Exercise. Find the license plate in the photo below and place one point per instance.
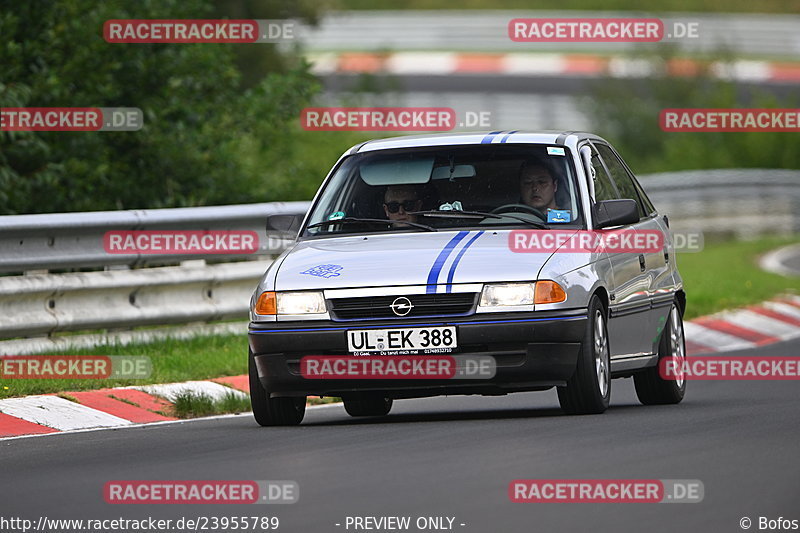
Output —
(402, 340)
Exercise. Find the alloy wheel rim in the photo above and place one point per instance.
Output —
(601, 353)
(676, 341)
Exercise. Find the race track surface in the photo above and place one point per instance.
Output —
(450, 457)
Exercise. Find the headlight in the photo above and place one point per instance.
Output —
(513, 294)
(507, 294)
(290, 303)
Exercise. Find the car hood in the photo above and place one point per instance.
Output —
(438, 258)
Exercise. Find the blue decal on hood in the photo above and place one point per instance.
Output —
(457, 259)
(324, 271)
(433, 275)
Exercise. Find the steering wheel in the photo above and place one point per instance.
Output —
(516, 207)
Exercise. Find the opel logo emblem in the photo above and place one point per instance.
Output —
(401, 306)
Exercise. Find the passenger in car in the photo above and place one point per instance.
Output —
(399, 200)
(537, 185)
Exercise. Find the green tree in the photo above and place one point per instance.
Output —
(199, 114)
(627, 113)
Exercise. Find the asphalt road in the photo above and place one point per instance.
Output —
(448, 457)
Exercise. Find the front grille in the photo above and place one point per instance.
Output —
(446, 304)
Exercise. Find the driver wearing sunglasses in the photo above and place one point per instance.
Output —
(399, 200)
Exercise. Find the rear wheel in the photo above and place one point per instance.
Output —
(273, 411)
(367, 405)
(651, 388)
(588, 391)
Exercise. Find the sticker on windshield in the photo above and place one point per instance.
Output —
(324, 271)
(552, 150)
(336, 216)
(455, 206)
(558, 215)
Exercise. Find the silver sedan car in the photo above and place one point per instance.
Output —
(537, 252)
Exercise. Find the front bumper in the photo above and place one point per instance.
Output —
(532, 351)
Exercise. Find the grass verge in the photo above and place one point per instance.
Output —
(725, 275)
(172, 361)
(191, 405)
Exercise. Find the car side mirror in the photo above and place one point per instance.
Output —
(284, 224)
(615, 213)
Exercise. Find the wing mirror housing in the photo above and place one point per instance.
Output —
(284, 224)
(615, 213)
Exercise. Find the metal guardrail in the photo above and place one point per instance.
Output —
(75, 240)
(739, 202)
(487, 31)
(45, 304)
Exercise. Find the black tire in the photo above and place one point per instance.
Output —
(367, 405)
(588, 391)
(273, 411)
(651, 388)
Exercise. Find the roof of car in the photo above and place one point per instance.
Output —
(461, 138)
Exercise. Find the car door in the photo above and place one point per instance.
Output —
(629, 310)
(654, 272)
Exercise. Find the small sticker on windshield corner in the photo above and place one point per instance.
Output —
(324, 271)
(455, 206)
(558, 215)
(553, 150)
(336, 216)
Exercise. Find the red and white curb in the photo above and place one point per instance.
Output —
(767, 323)
(531, 64)
(106, 408)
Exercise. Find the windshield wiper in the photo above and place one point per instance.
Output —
(475, 214)
(370, 221)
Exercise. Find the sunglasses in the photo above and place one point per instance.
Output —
(408, 205)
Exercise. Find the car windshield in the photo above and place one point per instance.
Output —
(431, 189)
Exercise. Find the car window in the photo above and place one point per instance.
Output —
(533, 185)
(603, 188)
(622, 179)
(649, 208)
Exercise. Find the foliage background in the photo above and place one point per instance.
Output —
(221, 121)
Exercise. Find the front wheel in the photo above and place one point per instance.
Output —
(588, 391)
(273, 411)
(651, 388)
